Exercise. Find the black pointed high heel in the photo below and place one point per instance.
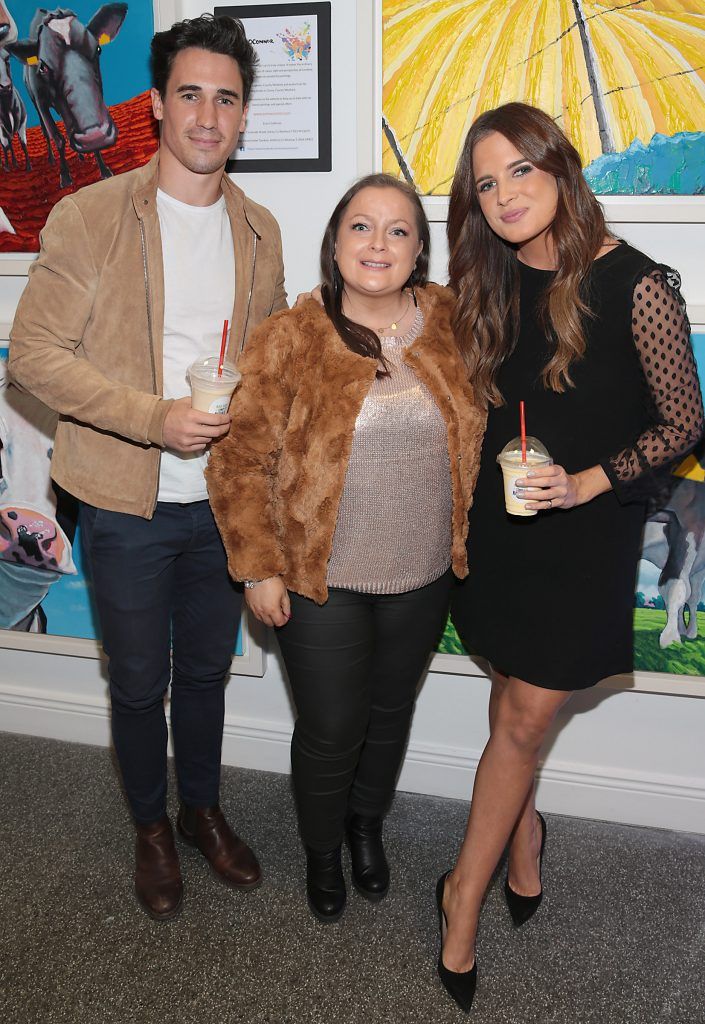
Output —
(460, 985)
(523, 907)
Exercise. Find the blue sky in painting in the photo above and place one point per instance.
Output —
(124, 63)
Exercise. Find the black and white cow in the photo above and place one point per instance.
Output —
(674, 541)
(13, 115)
(62, 72)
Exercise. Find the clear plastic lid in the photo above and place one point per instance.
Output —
(207, 370)
(512, 451)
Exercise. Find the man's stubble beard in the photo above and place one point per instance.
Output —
(199, 162)
(205, 165)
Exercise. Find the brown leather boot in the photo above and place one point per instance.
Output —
(157, 874)
(229, 857)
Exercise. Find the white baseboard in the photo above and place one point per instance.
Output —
(579, 790)
(40, 712)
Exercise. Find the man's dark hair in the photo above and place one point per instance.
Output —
(216, 34)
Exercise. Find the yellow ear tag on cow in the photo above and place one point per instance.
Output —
(105, 39)
(33, 60)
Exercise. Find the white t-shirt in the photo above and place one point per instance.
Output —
(199, 291)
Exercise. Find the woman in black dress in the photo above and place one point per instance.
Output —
(593, 336)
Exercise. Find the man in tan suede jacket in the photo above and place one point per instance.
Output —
(134, 280)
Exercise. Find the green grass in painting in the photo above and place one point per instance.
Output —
(687, 658)
(450, 641)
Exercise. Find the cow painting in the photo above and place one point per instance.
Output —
(8, 34)
(62, 72)
(35, 552)
(13, 115)
(8, 29)
(674, 541)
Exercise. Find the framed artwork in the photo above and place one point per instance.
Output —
(625, 81)
(45, 594)
(107, 109)
(669, 599)
(289, 113)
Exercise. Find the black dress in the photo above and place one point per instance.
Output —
(550, 598)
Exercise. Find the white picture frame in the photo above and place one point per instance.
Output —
(166, 12)
(15, 266)
(639, 682)
(618, 209)
(252, 661)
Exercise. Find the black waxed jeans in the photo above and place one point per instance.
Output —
(159, 584)
(354, 665)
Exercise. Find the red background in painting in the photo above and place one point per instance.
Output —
(27, 197)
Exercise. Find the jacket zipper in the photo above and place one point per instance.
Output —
(249, 297)
(150, 333)
(149, 307)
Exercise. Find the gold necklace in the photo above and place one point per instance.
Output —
(394, 326)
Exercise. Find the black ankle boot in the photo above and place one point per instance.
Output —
(370, 870)
(325, 885)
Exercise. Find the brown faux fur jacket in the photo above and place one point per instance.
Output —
(275, 481)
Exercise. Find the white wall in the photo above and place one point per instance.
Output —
(302, 203)
(623, 756)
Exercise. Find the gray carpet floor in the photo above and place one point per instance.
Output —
(619, 939)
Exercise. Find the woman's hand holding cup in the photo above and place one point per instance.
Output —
(560, 489)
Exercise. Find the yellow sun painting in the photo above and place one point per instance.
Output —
(625, 80)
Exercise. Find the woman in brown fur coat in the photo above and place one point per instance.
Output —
(342, 493)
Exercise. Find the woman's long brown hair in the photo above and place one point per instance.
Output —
(483, 267)
(361, 339)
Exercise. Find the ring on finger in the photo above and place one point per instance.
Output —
(550, 502)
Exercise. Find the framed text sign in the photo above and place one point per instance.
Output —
(289, 112)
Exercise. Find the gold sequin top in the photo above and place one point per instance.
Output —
(393, 532)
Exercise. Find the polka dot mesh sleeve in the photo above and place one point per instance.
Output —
(661, 333)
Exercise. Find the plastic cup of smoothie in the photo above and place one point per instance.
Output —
(211, 392)
(513, 469)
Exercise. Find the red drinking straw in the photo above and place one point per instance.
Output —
(221, 360)
(522, 421)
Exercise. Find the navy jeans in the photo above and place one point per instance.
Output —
(159, 584)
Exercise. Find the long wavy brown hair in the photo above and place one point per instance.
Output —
(483, 268)
(361, 339)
